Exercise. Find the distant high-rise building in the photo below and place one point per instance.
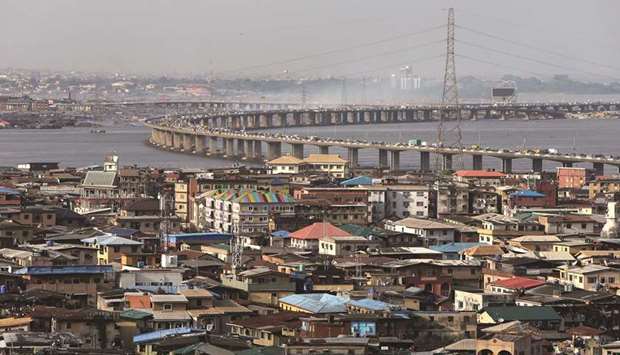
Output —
(406, 76)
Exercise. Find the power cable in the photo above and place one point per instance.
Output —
(335, 50)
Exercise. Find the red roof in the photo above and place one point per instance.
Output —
(318, 230)
(519, 283)
(138, 301)
(479, 174)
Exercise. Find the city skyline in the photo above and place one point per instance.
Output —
(321, 38)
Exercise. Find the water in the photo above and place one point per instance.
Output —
(77, 147)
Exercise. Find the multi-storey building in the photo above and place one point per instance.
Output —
(399, 201)
(241, 211)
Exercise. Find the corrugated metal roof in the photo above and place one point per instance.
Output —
(99, 178)
(161, 334)
(371, 304)
(527, 193)
(64, 270)
(358, 180)
(317, 302)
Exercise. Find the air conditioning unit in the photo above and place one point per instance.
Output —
(169, 261)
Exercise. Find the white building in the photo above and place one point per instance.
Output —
(152, 280)
(431, 232)
(399, 201)
(331, 164)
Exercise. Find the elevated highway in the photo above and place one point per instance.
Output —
(236, 134)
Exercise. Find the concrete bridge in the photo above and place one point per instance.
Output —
(234, 135)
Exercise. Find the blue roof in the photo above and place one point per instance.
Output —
(64, 270)
(453, 247)
(201, 235)
(371, 304)
(160, 334)
(358, 180)
(280, 234)
(527, 193)
(123, 232)
(8, 191)
(317, 302)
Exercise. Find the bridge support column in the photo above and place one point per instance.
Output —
(274, 150)
(599, 169)
(383, 158)
(168, 139)
(199, 144)
(212, 143)
(353, 157)
(537, 165)
(241, 148)
(506, 165)
(425, 161)
(395, 160)
(297, 150)
(258, 150)
(446, 161)
(230, 147)
(177, 141)
(249, 150)
(567, 164)
(187, 142)
(477, 163)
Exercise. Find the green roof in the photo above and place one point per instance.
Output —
(190, 349)
(134, 314)
(271, 350)
(510, 313)
(362, 231)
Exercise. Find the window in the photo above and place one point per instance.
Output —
(612, 280)
(591, 280)
(117, 249)
(167, 307)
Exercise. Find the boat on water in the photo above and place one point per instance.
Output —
(97, 131)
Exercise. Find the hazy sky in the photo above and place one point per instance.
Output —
(231, 36)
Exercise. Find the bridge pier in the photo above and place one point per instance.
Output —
(258, 150)
(187, 142)
(506, 165)
(537, 165)
(395, 160)
(177, 141)
(383, 159)
(446, 161)
(477, 162)
(599, 169)
(353, 157)
(425, 161)
(167, 139)
(297, 150)
(323, 149)
(199, 144)
(274, 150)
(212, 143)
(249, 150)
(241, 148)
(229, 147)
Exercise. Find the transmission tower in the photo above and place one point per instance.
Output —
(450, 96)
